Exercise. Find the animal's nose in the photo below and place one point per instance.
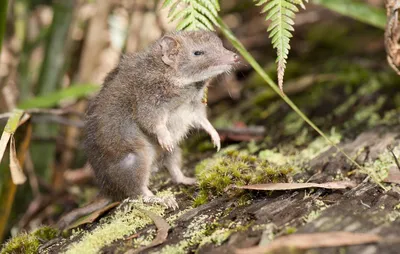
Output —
(235, 58)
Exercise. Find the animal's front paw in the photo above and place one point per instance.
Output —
(169, 202)
(216, 140)
(166, 142)
(186, 180)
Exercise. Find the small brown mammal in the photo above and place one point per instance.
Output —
(146, 107)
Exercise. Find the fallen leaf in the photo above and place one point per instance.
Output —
(162, 232)
(93, 216)
(240, 133)
(313, 240)
(8, 201)
(393, 175)
(295, 186)
(133, 236)
(11, 127)
(5, 137)
(17, 174)
(24, 119)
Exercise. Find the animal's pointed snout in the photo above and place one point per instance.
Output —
(229, 57)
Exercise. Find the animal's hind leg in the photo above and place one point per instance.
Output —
(173, 162)
(135, 171)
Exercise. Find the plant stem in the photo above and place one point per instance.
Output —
(3, 18)
(52, 71)
(21, 27)
(54, 59)
(242, 50)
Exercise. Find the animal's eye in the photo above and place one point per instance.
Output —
(198, 53)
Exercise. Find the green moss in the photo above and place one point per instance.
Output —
(29, 242)
(126, 221)
(244, 200)
(274, 157)
(193, 235)
(200, 199)
(378, 170)
(345, 107)
(220, 235)
(368, 114)
(303, 138)
(289, 155)
(290, 230)
(205, 146)
(234, 167)
(312, 216)
(144, 239)
(320, 145)
(293, 123)
(171, 219)
(203, 229)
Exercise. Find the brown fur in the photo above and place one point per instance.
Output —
(146, 107)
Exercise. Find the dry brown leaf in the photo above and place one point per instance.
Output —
(295, 186)
(17, 174)
(5, 137)
(24, 119)
(392, 34)
(313, 240)
(242, 133)
(8, 201)
(9, 129)
(162, 232)
(393, 176)
(93, 216)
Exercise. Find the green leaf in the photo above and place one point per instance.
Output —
(53, 99)
(13, 121)
(172, 10)
(197, 14)
(167, 3)
(281, 14)
(356, 10)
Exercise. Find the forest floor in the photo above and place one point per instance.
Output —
(355, 93)
(213, 218)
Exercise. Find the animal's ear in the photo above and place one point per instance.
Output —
(169, 49)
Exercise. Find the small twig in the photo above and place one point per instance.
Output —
(32, 177)
(37, 205)
(242, 133)
(132, 236)
(390, 148)
(58, 119)
(5, 115)
(38, 111)
(255, 130)
(54, 111)
(368, 206)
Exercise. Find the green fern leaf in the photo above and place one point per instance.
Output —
(281, 13)
(173, 11)
(193, 14)
(167, 3)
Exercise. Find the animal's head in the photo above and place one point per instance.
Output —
(196, 55)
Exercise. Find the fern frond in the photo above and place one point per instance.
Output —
(281, 13)
(193, 14)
